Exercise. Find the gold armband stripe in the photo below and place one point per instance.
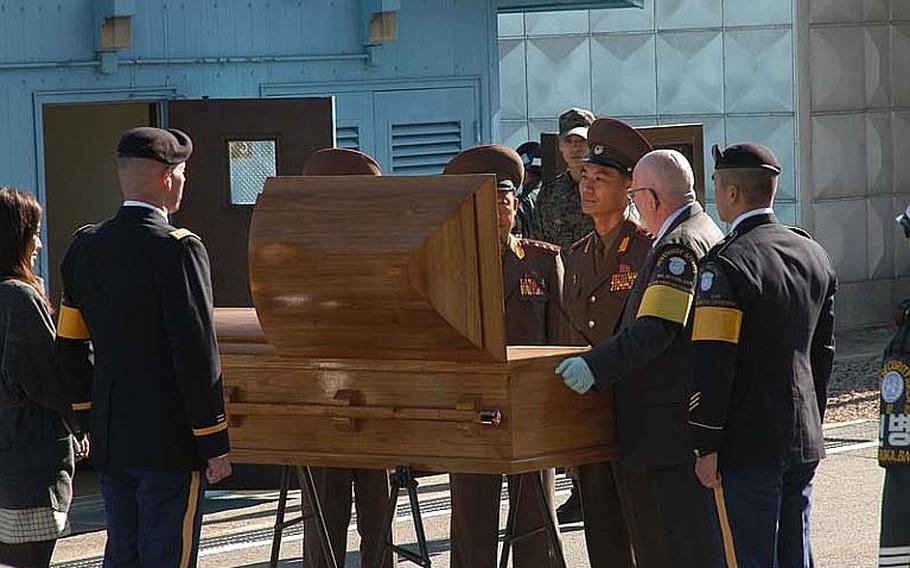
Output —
(667, 303)
(71, 325)
(82, 405)
(717, 324)
(210, 430)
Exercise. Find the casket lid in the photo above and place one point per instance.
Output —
(373, 267)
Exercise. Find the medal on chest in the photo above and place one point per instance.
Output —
(624, 279)
(531, 286)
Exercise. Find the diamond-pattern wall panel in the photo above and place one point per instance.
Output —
(759, 72)
(714, 133)
(623, 19)
(513, 88)
(839, 156)
(900, 132)
(878, 66)
(878, 10)
(560, 76)
(879, 153)
(837, 76)
(624, 75)
(839, 226)
(511, 25)
(557, 23)
(900, 54)
(787, 212)
(757, 12)
(538, 125)
(835, 11)
(775, 132)
(514, 132)
(900, 10)
(690, 73)
(679, 14)
(861, 304)
(880, 232)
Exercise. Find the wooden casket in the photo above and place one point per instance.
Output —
(377, 339)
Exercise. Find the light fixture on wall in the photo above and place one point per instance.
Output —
(113, 30)
(117, 33)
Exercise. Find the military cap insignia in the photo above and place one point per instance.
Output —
(676, 265)
(598, 149)
(707, 281)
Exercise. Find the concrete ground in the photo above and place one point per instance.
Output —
(237, 528)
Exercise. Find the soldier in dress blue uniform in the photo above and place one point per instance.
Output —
(136, 330)
(647, 364)
(764, 346)
(532, 287)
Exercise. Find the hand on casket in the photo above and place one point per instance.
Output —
(576, 374)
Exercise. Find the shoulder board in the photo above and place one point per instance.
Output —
(801, 232)
(82, 229)
(544, 246)
(181, 234)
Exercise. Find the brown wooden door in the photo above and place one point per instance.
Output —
(237, 143)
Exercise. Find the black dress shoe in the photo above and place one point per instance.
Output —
(570, 511)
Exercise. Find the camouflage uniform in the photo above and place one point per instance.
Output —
(559, 218)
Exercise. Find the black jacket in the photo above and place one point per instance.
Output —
(649, 359)
(143, 291)
(764, 346)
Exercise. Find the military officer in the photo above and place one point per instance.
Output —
(601, 269)
(137, 291)
(648, 363)
(334, 485)
(532, 279)
(764, 346)
(559, 217)
(530, 188)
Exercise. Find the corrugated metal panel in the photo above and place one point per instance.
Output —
(424, 148)
(347, 137)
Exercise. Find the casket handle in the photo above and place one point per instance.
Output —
(347, 412)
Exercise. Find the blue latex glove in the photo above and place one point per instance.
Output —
(576, 374)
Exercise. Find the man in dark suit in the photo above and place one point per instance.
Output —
(648, 362)
(138, 292)
(764, 346)
(532, 280)
(601, 269)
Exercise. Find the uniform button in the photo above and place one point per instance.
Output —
(591, 324)
(593, 299)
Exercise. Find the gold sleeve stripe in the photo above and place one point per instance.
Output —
(667, 303)
(71, 325)
(210, 430)
(717, 324)
(82, 405)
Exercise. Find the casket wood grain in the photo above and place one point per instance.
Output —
(378, 337)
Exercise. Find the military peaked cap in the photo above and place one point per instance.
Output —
(745, 156)
(169, 146)
(340, 162)
(492, 159)
(616, 144)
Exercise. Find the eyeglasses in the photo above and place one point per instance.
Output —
(631, 193)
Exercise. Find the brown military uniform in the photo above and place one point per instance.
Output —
(532, 278)
(597, 284)
(559, 218)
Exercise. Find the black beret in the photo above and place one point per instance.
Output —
(169, 146)
(745, 156)
(340, 162)
(615, 144)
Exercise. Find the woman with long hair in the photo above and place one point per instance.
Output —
(37, 446)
